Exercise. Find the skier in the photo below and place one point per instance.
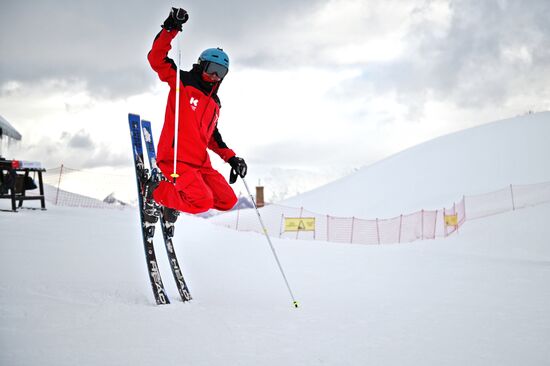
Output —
(196, 186)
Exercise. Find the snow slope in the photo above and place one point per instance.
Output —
(74, 291)
(436, 173)
(74, 288)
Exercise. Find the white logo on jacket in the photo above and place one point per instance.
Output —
(194, 103)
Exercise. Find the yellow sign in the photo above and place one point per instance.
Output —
(451, 220)
(299, 223)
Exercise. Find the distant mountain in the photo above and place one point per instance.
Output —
(112, 200)
(242, 203)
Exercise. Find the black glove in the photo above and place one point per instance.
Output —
(238, 168)
(176, 19)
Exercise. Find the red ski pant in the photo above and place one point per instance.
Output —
(197, 189)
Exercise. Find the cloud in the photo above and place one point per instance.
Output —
(328, 34)
(97, 43)
(449, 48)
(313, 155)
(468, 52)
(76, 151)
(315, 84)
(80, 140)
(482, 53)
(104, 44)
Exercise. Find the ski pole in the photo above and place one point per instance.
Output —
(175, 175)
(294, 302)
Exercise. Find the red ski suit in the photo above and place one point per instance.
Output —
(199, 187)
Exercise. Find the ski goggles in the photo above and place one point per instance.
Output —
(212, 68)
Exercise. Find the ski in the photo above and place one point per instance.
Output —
(167, 228)
(147, 229)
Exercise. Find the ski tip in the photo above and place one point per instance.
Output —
(295, 303)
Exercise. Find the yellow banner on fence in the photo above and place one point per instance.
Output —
(451, 220)
(299, 223)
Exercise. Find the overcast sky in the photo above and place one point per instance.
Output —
(316, 88)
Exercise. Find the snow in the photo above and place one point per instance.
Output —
(74, 290)
(74, 287)
(436, 173)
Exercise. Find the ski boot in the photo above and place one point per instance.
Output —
(170, 216)
(151, 211)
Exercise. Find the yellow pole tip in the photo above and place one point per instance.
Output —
(174, 175)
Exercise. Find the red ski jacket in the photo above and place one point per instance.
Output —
(199, 110)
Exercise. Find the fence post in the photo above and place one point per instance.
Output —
(512, 195)
(422, 223)
(444, 224)
(58, 184)
(456, 213)
(315, 230)
(378, 231)
(301, 213)
(400, 226)
(352, 224)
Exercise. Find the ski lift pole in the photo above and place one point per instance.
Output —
(175, 175)
(294, 302)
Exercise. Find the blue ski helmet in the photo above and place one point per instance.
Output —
(216, 55)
